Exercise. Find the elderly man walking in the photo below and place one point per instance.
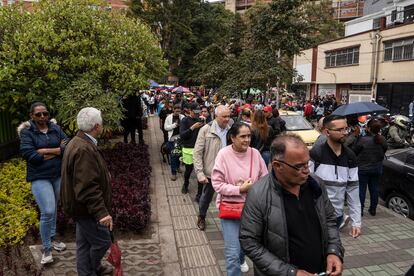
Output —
(288, 225)
(211, 139)
(86, 194)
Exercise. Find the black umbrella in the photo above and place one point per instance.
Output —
(360, 108)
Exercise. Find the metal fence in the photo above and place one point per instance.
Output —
(7, 130)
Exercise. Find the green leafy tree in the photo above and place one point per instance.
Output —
(184, 27)
(63, 43)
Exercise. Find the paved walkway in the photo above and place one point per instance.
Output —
(174, 245)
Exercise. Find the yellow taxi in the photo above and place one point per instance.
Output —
(296, 123)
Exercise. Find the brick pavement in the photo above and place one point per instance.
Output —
(177, 247)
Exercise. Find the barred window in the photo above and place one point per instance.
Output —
(343, 57)
(399, 50)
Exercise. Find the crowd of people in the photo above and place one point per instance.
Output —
(280, 204)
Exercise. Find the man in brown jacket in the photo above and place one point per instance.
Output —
(86, 194)
(210, 140)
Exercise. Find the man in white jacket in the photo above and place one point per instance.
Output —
(172, 125)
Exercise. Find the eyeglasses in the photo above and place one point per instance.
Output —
(298, 167)
(39, 114)
(341, 130)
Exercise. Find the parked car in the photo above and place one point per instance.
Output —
(296, 123)
(397, 182)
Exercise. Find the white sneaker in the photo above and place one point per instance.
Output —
(344, 222)
(244, 267)
(47, 258)
(58, 246)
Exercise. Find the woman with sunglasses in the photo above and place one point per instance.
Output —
(42, 144)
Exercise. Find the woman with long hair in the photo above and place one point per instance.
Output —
(370, 151)
(237, 167)
(262, 135)
(42, 144)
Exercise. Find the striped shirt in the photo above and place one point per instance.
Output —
(340, 175)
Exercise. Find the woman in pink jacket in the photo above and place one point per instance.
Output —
(236, 168)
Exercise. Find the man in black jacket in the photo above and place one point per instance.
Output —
(189, 129)
(288, 226)
(132, 118)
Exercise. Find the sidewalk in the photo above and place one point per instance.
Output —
(177, 247)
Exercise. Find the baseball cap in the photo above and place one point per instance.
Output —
(267, 108)
(195, 107)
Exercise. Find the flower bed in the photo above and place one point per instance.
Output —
(130, 169)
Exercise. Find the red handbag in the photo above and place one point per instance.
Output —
(233, 210)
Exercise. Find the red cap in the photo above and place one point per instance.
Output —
(267, 108)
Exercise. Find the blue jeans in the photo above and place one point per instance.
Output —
(206, 198)
(46, 193)
(232, 250)
(174, 159)
(266, 157)
(370, 178)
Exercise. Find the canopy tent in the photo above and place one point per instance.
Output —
(253, 91)
(154, 84)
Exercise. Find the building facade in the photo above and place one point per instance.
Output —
(345, 10)
(376, 64)
(240, 6)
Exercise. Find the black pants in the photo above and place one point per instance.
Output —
(205, 199)
(92, 242)
(187, 174)
(165, 133)
(130, 125)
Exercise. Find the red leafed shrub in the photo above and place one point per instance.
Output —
(130, 169)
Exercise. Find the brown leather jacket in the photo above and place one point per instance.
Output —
(86, 186)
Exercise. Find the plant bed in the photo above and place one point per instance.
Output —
(130, 170)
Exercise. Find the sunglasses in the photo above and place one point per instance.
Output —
(39, 114)
(298, 167)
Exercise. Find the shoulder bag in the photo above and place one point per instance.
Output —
(233, 210)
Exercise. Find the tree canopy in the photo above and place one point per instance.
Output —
(65, 44)
(262, 44)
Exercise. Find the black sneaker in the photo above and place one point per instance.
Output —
(104, 269)
(184, 190)
(372, 212)
(201, 223)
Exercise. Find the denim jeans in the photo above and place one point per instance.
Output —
(92, 242)
(370, 178)
(174, 159)
(266, 157)
(205, 199)
(232, 250)
(46, 193)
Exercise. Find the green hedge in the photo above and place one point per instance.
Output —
(17, 211)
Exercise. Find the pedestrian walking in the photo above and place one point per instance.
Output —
(288, 225)
(172, 125)
(262, 135)
(370, 151)
(86, 194)
(189, 128)
(336, 164)
(211, 138)
(237, 167)
(164, 112)
(42, 144)
(132, 120)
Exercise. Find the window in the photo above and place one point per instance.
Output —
(399, 50)
(342, 57)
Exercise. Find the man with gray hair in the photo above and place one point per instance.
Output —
(86, 194)
(211, 139)
(288, 225)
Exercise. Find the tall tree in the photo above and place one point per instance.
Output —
(184, 28)
(67, 44)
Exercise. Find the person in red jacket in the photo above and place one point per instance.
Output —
(307, 112)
